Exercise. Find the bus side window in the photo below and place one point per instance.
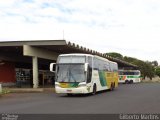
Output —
(115, 67)
(106, 67)
(111, 67)
(100, 65)
(95, 65)
(90, 61)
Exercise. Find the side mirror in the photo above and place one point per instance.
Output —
(52, 67)
(85, 67)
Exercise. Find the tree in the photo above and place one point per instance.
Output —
(155, 63)
(146, 67)
(157, 71)
(115, 55)
(130, 59)
(150, 69)
(141, 65)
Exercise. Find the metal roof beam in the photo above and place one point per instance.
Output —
(34, 43)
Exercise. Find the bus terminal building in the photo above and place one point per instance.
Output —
(27, 62)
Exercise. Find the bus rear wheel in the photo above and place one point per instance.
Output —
(112, 86)
(131, 81)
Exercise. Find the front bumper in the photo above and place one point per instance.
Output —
(78, 90)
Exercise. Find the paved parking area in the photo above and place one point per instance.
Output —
(127, 98)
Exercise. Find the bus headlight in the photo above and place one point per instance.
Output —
(57, 85)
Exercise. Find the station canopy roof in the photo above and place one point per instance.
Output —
(62, 47)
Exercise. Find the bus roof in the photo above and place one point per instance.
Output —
(76, 54)
(80, 54)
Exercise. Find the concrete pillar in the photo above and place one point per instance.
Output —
(0, 88)
(35, 71)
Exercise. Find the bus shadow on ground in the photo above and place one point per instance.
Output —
(85, 95)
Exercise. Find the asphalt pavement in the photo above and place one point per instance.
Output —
(127, 98)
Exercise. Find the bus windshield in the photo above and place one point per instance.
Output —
(70, 73)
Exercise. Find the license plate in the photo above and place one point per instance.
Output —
(69, 90)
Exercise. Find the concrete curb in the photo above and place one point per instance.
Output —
(150, 81)
(25, 90)
(30, 90)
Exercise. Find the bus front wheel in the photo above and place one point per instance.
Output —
(94, 89)
(69, 94)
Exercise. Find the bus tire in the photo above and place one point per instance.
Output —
(69, 94)
(94, 89)
(131, 81)
(126, 82)
(112, 86)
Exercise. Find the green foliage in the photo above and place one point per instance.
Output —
(157, 71)
(154, 63)
(130, 60)
(5, 91)
(147, 68)
(150, 72)
(115, 55)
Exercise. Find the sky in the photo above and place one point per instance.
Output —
(129, 27)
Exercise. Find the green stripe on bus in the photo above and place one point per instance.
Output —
(102, 78)
(130, 76)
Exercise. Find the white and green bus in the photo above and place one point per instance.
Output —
(84, 73)
(129, 76)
